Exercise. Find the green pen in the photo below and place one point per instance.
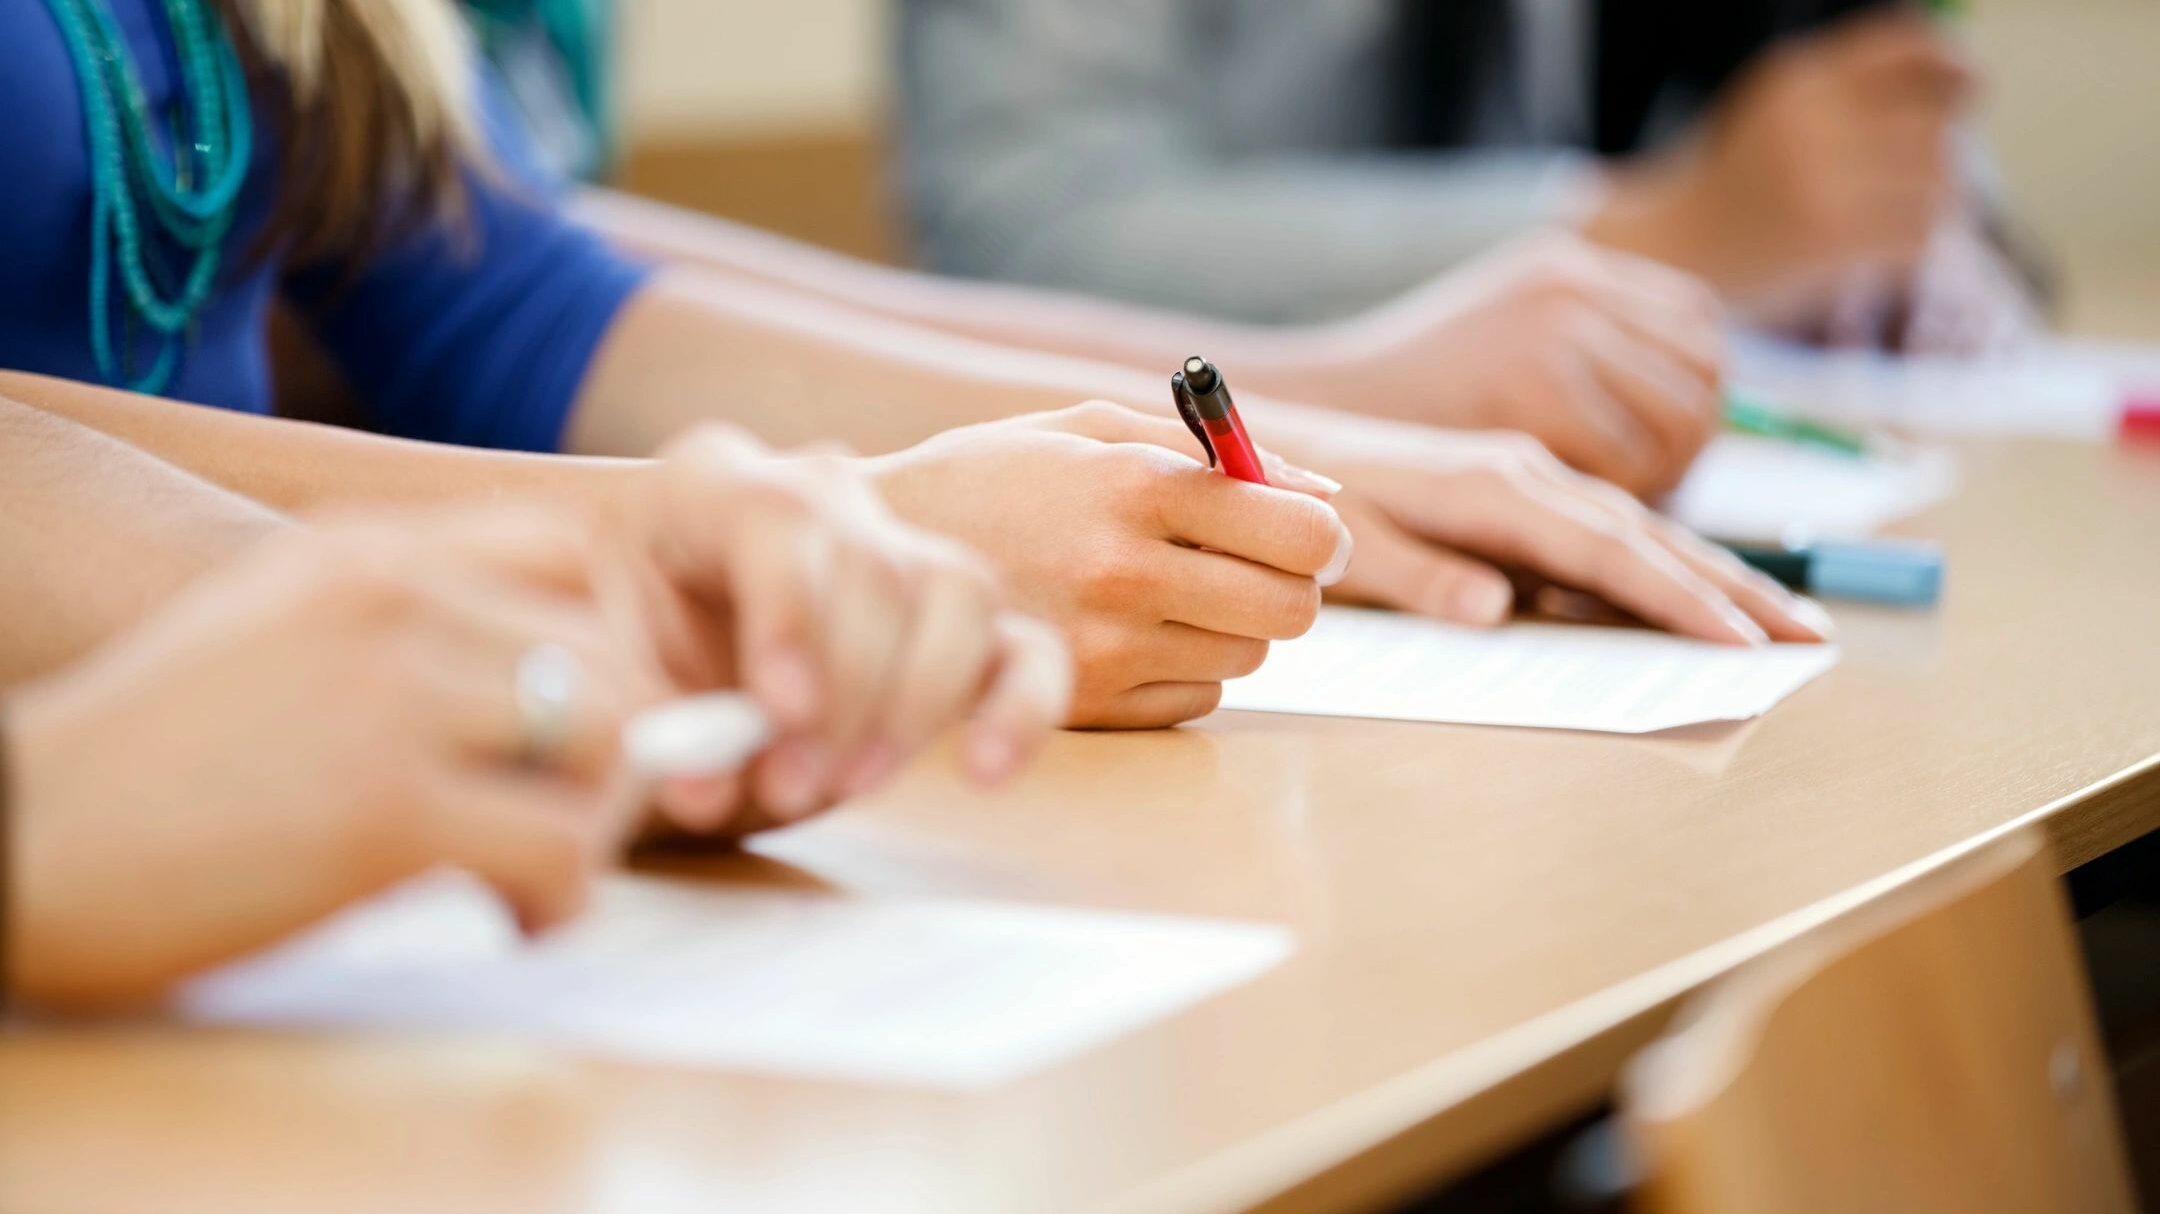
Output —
(1748, 414)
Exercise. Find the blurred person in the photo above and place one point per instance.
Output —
(316, 712)
(1278, 161)
(341, 159)
(1609, 361)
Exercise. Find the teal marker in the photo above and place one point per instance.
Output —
(1747, 414)
(1907, 573)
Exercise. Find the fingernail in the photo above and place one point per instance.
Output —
(800, 769)
(1750, 631)
(1483, 601)
(871, 768)
(1814, 617)
(1305, 480)
(698, 803)
(784, 679)
(1339, 564)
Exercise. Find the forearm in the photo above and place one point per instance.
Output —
(795, 369)
(1049, 321)
(95, 534)
(293, 465)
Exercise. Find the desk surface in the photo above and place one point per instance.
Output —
(1490, 921)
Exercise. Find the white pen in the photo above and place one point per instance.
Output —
(701, 735)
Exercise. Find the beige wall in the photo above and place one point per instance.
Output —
(2073, 107)
(2073, 104)
(726, 68)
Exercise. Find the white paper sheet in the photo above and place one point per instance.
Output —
(2056, 390)
(1744, 488)
(941, 994)
(1359, 663)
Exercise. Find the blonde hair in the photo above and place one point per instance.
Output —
(373, 110)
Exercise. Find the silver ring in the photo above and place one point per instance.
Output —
(549, 680)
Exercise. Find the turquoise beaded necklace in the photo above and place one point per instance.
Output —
(161, 216)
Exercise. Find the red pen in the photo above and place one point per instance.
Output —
(1203, 400)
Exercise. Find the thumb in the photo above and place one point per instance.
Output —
(1395, 569)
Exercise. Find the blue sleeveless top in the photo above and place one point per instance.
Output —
(479, 335)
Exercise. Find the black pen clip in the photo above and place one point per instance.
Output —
(1181, 396)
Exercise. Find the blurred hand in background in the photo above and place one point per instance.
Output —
(1832, 161)
(350, 704)
(334, 712)
(861, 637)
(1612, 361)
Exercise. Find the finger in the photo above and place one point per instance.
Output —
(1783, 615)
(734, 526)
(537, 841)
(1398, 570)
(1029, 694)
(867, 624)
(1553, 526)
(700, 804)
(472, 702)
(945, 662)
(1225, 594)
(1159, 705)
(1591, 429)
(1678, 409)
(794, 778)
(1283, 474)
(1180, 653)
(779, 573)
(1292, 532)
(1676, 312)
(469, 655)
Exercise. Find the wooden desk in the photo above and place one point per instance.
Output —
(1490, 921)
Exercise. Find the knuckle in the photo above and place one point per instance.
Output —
(883, 576)
(1133, 472)
(1109, 577)
(1093, 417)
(778, 496)
(1615, 552)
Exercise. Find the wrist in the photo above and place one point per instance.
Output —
(1656, 211)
